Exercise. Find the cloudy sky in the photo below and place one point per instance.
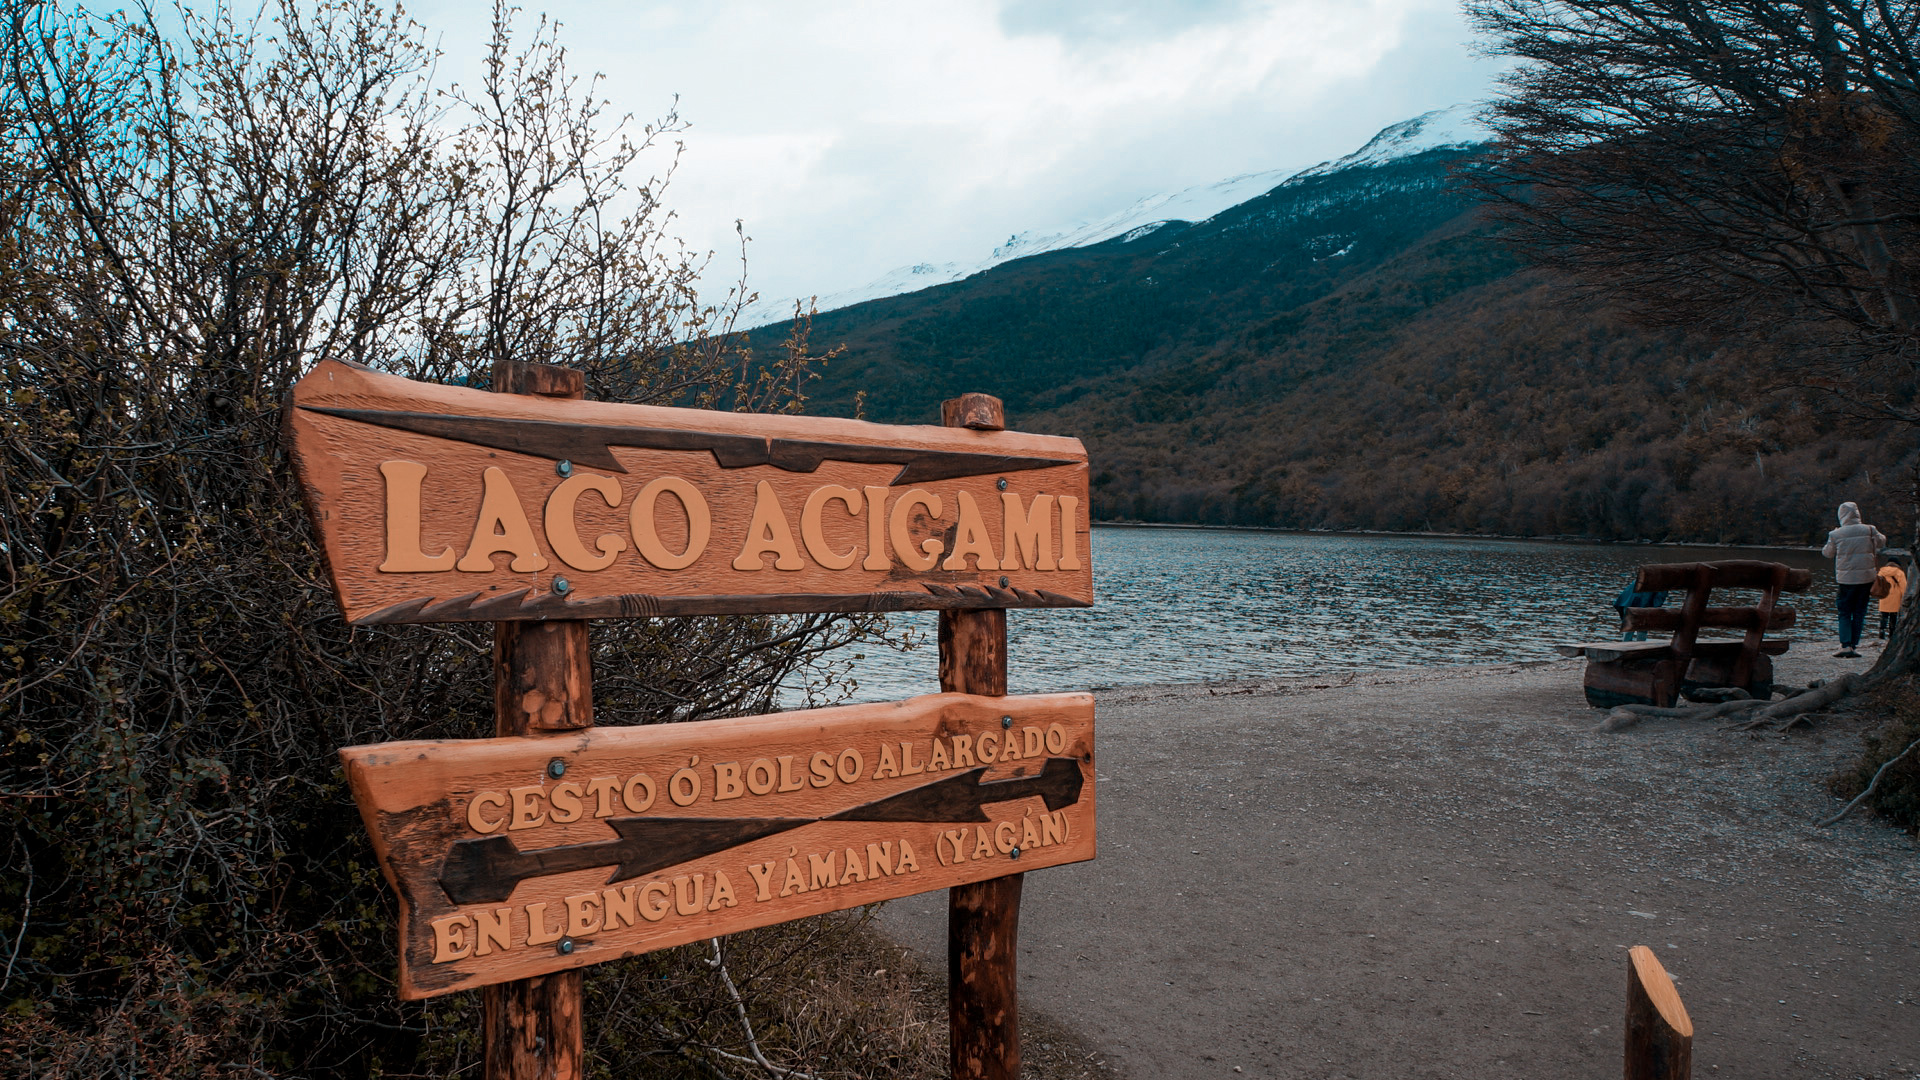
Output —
(855, 136)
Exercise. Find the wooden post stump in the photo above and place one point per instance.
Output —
(542, 682)
(1659, 1032)
(983, 919)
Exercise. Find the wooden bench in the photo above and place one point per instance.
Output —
(1655, 672)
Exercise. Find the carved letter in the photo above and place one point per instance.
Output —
(684, 787)
(726, 781)
(824, 869)
(562, 534)
(1029, 836)
(981, 845)
(485, 798)
(1069, 532)
(939, 759)
(527, 813)
(789, 782)
(971, 538)
(646, 534)
(897, 524)
(583, 914)
(622, 906)
(822, 768)
(1009, 746)
(796, 881)
(1053, 828)
(988, 747)
(722, 892)
(880, 859)
(638, 802)
(1003, 837)
(907, 767)
(566, 800)
(492, 928)
(963, 751)
(850, 765)
(760, 776)
(768, 531)
(655, 901)
(762, 880)
(877, 531)
(908, 863)
(1056, 739)
(690, 904)
(815, 536)
(1033, 737)
(452, 938)
(403, 524)
(502, 527)
(853, 871)
(537, 932)
(1026, 538)
(602, 789)
(888, 766)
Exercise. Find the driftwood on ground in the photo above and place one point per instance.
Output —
(1752, 712)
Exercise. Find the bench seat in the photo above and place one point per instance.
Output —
(1608, 652)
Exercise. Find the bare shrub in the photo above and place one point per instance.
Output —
(191, 215)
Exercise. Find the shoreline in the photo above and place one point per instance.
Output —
(1436, 872)
(1581, 540)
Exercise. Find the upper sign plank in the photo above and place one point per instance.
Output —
(444, 504)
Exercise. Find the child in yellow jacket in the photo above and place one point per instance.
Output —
(1890, 587)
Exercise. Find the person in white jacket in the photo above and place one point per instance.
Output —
(1852, 547)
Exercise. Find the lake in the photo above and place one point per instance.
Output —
(1192, 605)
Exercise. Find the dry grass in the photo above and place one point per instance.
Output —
(829, 997)
(1896, 708)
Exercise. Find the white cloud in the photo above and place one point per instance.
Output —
(854, 136)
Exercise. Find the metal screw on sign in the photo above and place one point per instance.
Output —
(556, 768)
(1001, 483)
(1015, 853)
(1003, 581)
(1006, 721)
(565, 948)
(563, 467)
(561, 585)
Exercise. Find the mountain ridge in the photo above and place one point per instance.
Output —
(1357, 349)
(1452, 127)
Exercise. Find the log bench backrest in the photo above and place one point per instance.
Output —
(1699, 580)
(1728, 574)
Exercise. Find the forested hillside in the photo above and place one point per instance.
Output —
(1353, 350)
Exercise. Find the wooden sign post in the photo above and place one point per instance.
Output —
(983, 919)
(521, 859)
(542, 682)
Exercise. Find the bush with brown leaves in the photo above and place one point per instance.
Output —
(191, 215)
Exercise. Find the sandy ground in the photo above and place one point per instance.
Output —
(1438, 873)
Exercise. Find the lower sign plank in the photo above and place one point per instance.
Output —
(517, 857)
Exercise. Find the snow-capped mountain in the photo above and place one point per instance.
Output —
(1453, 127)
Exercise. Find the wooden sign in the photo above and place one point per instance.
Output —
(442, 503)
(516, 857)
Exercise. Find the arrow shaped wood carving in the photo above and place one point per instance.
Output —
(486, 869)
(592, 444)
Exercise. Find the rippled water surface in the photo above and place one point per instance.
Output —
(1187, 605)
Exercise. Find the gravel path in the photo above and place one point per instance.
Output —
(1438, 873)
